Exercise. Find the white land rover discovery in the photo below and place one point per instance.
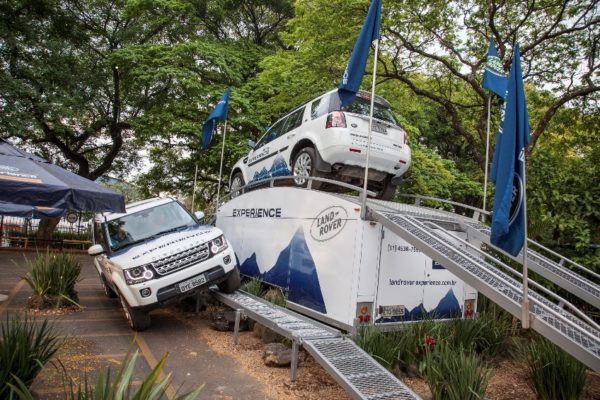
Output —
(321, 139)
(156, 253)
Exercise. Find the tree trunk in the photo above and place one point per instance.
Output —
(45, 231)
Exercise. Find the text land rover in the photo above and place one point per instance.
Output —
(320, 139)
(157, 253)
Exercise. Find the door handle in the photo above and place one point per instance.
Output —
(291, 136)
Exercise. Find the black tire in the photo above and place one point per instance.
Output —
(232, 283)
(137, 319)
(388, 190)
(305, 164)
(107, 289)
(237, 181)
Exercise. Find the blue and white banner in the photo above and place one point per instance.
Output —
(355, 69)
(508, 217)
(220, 112)
(494, 78)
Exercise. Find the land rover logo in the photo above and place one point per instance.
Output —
(328, 223)
(8, 168)
(516, 199)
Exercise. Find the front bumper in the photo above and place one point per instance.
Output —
(165, 288)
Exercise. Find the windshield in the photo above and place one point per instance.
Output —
(362, 106)
(145, 224)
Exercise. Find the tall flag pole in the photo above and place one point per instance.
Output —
(494, 79)
(509, 216)
(220, 112)
(355, 69)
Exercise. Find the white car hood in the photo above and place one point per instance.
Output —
(163, 246)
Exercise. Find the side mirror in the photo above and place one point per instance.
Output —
(251, 143)
(199, 215)
(95, 250)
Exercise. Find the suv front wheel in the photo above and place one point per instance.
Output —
(138, 320)
(305, 165)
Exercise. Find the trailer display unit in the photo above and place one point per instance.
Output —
(336, 267)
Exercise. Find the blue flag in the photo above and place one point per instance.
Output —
(220, 112)
(508, 216)
(494, 78)
(358, 60)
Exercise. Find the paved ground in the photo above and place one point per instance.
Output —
(99, 336)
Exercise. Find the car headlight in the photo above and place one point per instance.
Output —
(137, 275)
(218, 245)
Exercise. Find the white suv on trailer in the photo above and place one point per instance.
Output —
(157, 253)
(321, 139)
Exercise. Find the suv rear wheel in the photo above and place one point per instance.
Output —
(305, 165)
(387, 191)
(138, 320)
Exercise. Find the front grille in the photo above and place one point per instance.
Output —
(178, 261)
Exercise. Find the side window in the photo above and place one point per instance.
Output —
(319, 107)
(294, 120)
(275, 131)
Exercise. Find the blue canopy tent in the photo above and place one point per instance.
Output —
(25, 211)
(28, 180)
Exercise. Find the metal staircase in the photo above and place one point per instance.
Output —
(578, 335)
(555, 272)
(360, 375)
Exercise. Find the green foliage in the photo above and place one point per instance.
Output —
(254, 287)
(454, 373)
(25, 346)
(556, 375)
(487, 334)
(275, 296)
(120, 386)
(382, 346)
(54, 275)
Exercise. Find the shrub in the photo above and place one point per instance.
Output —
(254, 287)
(119, 386)
(275, 296)
(487, 334)
(454, 373)
(382, 346)
(25, 346)
(556, 375)
(52, 277)
(411, 342)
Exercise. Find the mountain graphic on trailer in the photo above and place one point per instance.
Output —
(448, 307)
(279, 168)
(294, 270)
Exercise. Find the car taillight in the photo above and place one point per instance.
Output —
(405, 137)
(336, 119)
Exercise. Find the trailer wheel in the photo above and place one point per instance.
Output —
(138, 320)
(305, 165)
(388, 190)
(236, 182)
(232, 283)
(107, 289)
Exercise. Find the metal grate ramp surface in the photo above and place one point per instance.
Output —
(574, 283)
(360, 375)
(563, 328)
(356, 371)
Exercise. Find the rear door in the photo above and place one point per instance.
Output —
(272, 153)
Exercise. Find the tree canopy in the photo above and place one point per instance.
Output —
(110, 87)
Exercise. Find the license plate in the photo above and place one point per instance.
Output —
(391, 311)
(379, 128)
(191, 283)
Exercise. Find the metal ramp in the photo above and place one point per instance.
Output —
(555, 272)
(579, 336)
(352, 368)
